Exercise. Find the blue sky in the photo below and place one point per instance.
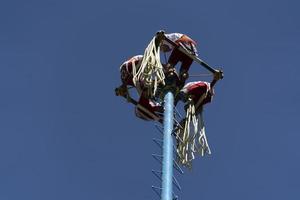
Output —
(64, 135)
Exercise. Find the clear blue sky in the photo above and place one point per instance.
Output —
(64, 135)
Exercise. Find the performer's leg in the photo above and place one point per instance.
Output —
(173, 60)
(184, 69)
(147, 109)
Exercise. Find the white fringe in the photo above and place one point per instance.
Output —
(192, 142)
(150, 73)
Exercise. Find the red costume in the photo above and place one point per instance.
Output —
(126, 69)
(146, 109)
(199, 91)
(177, 56)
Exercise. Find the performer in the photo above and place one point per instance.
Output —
(193, 91)
(195, 95)
(177, 56)
(145, 108)
(129, 68)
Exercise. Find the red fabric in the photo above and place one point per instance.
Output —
(149, 106)
(126, 72)
(197, 89)
(177, 56)
(186, 39)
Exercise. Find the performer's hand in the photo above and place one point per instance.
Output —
(218, 75)
(159, 36)
(121, 91)
(117, 91)
(160, 32)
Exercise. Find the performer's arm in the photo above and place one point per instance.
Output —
(160, 35)
(217, 76)
(122, 90)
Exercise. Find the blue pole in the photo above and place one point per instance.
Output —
(167, 167)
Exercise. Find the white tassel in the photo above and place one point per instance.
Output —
(185, 148)
(192, 143)
(202, 140)
(150, 72)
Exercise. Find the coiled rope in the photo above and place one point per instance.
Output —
(150, 73)
(192, 142)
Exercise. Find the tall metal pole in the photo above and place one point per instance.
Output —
(167, 167)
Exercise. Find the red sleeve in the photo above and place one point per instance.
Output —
(186, 39)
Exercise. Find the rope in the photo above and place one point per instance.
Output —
(192, 142)
(199, 75)
(133, 72)
(202, 140)
(183, 149)
(150, 72)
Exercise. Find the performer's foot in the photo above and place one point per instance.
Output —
(171, 74)
(184, 76)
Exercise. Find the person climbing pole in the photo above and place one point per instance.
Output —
(145, 108)
(188, 44)
(195, 95)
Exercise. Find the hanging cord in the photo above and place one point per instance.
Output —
(199, 75)
(134, 72)
(202, 140)
(150, 72)
(184, 147)
(192, 141)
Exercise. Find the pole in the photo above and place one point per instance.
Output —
(167, 166)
